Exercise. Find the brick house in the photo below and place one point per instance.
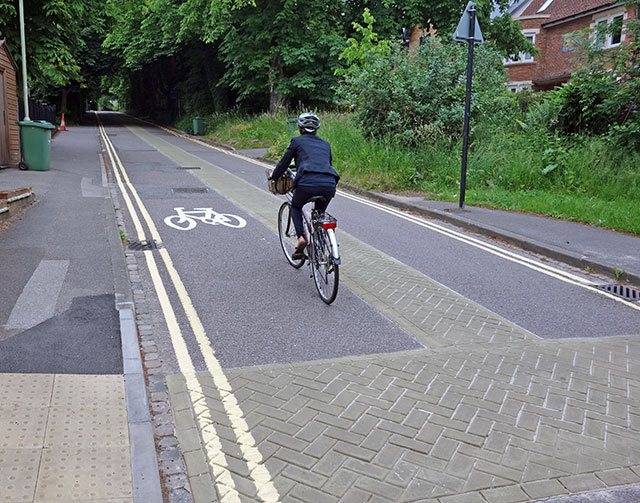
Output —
(548, 24)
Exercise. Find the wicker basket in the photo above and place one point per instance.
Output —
(283, 185)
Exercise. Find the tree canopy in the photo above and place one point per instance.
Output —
(171, 54)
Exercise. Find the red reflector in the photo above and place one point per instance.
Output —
(329, 225)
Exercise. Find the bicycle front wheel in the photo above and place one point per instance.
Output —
(325, 271)
(287, 233)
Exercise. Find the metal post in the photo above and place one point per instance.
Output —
(25, 89)
(467, 103)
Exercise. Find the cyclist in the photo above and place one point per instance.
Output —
(314, 174)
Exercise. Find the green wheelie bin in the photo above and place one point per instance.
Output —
(198, 126)
(35, 138)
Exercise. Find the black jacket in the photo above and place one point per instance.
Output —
(312, 154)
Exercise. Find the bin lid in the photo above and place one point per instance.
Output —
(40, 124)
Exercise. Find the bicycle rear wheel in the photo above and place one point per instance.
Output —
(287, 233)
(326, 273)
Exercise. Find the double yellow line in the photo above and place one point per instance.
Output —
(213, 448)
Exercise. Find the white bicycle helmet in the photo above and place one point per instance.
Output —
(308, 122)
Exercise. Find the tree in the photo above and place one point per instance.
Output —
(442, 16)
(54, 32)
(283, 50)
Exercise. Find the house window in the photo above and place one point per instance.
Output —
(615, 37)
(523, 57)
(516, 87)
(608, 31)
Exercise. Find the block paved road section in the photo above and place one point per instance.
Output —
(435, 315)
(527, 421)
(65, 439)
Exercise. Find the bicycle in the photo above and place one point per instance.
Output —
(322, 249)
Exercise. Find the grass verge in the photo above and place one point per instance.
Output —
(577, 179)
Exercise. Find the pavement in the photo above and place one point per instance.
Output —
(487, 413)
(74, 413)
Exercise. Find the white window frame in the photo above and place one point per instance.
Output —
(526, 57)
(523, 57)
(516, 87)
(608, 37)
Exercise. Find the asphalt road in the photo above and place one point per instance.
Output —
(256, 309)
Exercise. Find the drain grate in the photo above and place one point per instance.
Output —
(142, 245)
(191, 190)
(188, 167)
(626, 292)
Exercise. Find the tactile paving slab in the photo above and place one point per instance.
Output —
(25, 390)
(18, 474)
(87, 427)
(71, 475)
(64, 438)
(88, 391)
(22, 427)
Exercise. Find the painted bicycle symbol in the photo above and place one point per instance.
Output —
(187, 220)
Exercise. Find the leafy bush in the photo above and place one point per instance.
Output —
(603, 96)
(413, 97)
(587, 106)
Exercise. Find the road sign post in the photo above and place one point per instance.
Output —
(468, 31)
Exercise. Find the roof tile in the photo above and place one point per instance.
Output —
(559, 9)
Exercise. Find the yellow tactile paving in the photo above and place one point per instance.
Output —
(88, 391)
(18, 473)
(64, 439)
(69, 475)
(22, 427)
(25, 390)
(87, 427)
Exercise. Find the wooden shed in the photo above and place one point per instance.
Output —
(9, 131)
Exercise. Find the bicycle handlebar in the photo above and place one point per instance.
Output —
(290, 171)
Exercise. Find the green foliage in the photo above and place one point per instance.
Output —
(361, 53)
(603, 95)
(413, 98)
(54, 32)
(290, 60)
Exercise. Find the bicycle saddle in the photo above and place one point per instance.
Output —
(317, 199)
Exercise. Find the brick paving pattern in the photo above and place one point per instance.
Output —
(429, 311)
(514, 423)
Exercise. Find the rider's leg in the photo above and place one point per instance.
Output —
(300, 196)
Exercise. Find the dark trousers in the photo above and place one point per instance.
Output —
(300, 197)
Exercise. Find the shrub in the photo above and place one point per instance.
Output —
(410, 97)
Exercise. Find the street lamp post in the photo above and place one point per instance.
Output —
(25, 88)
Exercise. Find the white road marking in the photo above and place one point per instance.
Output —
(187, 220)
(38, 299)
(222, 477)
(535, 265)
